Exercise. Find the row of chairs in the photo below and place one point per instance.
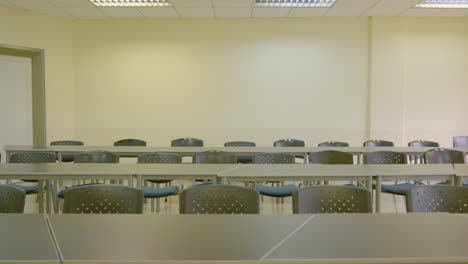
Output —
(458, 141)
(231, 199)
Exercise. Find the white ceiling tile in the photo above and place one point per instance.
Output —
(85, 12)
(120, 12)
(71, 3)
(435, 12)
(53, 12)
(233, 12)
(196, 12)
(233, 3)
(350, 8)
(390, 7)
(158, 12)
(308, 12)
(271, 12)
(191, 3)
(31, 4)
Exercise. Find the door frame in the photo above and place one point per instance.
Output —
(37, 87)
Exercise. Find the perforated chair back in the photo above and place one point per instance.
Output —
(97, 157)
(273, 158)
(436, 198)
(12, 199)
(385, 157)
(130, 142)
(331, 199)
(187, 142)
(460, 142)
(67, 143)
(289, 143)
(103, 199)
(423, 143)
(440, 155)
(331, 157)
(239, 144)
(160, 158)
(214, 157)
(333, 144)
(33, 157)
(378, 143)
(219, 199)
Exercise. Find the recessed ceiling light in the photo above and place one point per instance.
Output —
(294, 3)
(443, 4)
(131, 3)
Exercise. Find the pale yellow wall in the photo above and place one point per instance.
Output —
(220, 80)
(54, 35)
(420, 79)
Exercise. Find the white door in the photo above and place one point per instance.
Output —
(15, 102)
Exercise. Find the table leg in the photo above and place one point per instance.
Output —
(48, 196)
(130, 180)
(378, 188)
(306, 160)
(60, 156)
(40, 193)
(139, 181)
(457, 180)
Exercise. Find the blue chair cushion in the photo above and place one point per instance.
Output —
(400, 189)
(62, 191)
(160, 192)
(27, 189)
(281, 191)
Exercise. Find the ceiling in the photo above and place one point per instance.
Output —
(83, 9)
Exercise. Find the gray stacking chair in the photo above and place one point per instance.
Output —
(460, 142)
(219, 199)
(187, 142)
(333, 144)
(440, 155)
(378, 143)
(331, 199)
(155, 191)
(97, 157)
(437, 198)
(103, 199)
(67, 157)
(32, 157)
(275, 158)
(130, 142)
(423, 143)
(12, 199)
(289, 143)
(331, 157)
(241, 158)
(214, 157)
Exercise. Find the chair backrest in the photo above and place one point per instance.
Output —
(331, 157)
(333, 144)
(437, 198)
(130, 142)
(67, 143)
(378, 143)
(103, 199)
(273, 158)
(219, 199)
(160, 158)
(423, 143)
(214, 157)
(460, 142)
(239, 144)
(385, 157)
(289, 143)
(440, 155)
(12, 199)
(331, 199)
(187, 142)
(97, 157)
(33, 157)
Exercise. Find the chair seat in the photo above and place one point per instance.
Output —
(400, 189)
(160, 192)
(281, 191)
(27, 189)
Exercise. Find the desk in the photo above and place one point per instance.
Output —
(379, 238)
(170, 238)
(26, 239)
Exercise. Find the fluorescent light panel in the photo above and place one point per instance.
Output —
(294, 3)
(443, 4)
(131, 3)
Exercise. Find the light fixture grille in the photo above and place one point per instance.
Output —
(442, 4)
(294, 3)
(129, 3)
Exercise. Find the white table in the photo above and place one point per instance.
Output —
(26, 239)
